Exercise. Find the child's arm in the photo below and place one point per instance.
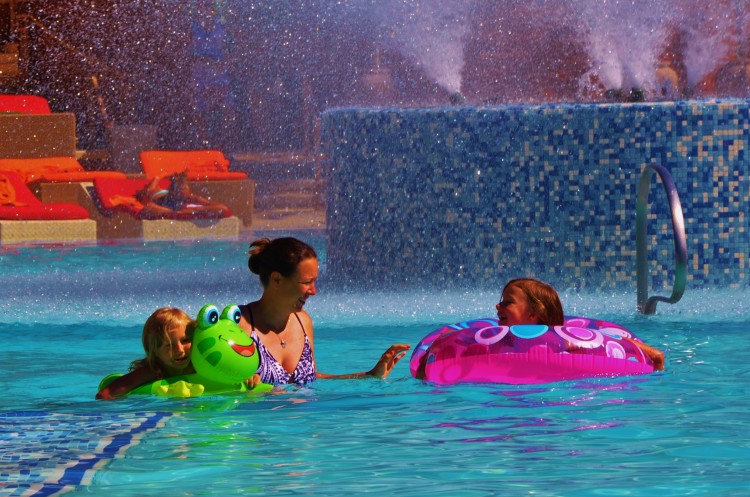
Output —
(656, 355)
(126, 383)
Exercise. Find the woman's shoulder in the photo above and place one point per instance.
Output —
(304, 316)
(305, 319)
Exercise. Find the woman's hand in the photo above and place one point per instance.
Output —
(389, 359)
(252, 382)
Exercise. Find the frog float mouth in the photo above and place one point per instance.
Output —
(243, 350)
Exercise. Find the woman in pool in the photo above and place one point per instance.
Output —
(288, 270)
(167, 340)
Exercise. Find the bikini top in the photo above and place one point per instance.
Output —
(272, 372)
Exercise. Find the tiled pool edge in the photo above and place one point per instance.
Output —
(477, 195)
(63, 452)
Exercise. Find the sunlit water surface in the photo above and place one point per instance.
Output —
(72, 315)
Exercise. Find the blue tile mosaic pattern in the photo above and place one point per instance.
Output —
(44, 453)
(474, 196)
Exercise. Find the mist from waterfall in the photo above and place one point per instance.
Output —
(282, 63)
(624, 40)
(431, 34)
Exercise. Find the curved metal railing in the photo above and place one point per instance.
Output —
(646, 304)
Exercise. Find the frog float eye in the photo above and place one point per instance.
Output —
(233, 313)
(208, 316)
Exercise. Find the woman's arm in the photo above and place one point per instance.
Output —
(383, 367)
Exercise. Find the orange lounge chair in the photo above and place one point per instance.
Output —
(53, 170)
(119, 195)
(17, 202)
(24, 104)
(200, 165)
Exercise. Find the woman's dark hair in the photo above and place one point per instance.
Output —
(281, 255)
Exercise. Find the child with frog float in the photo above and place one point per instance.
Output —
(167, 340)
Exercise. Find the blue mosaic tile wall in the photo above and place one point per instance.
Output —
(474, 196)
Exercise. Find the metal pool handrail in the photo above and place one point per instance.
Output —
(646, 304)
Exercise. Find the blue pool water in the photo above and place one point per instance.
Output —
(71, 315)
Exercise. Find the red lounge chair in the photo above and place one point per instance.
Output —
(54, 170)
(24, 104)
(200, 164)
(18, 203)
(119, 195)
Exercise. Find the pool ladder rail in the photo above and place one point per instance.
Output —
(646, 304)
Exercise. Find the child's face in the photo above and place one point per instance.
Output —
(514, 308)
(174, 354)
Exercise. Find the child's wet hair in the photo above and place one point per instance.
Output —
(156, 333)
(543, 298)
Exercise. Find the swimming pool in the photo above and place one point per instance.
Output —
(70, 315)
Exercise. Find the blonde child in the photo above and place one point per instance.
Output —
(167, 339)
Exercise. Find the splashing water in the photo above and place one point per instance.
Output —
(624, 41)
(710, 36)
(519, 51)
(433, 35)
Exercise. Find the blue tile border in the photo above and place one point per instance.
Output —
(473, 196)
(43, 454)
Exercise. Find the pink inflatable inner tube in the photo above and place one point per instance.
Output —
(483, 351)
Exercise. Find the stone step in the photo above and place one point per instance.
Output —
(9, 64)
(264, 167)
(310, 186)
(289, 200)
(286, 219)
(9, 60)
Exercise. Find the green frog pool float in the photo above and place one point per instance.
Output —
(223, 356)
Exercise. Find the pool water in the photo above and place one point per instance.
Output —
(71, 315)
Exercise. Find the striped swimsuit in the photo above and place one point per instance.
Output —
(272, 372)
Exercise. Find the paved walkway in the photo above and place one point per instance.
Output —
(289, 219)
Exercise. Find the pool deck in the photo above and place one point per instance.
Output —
(267, 220)
(288, 204)
(288, 219)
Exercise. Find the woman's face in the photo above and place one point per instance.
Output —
(174, 354)
(514, 308)
(301, 285)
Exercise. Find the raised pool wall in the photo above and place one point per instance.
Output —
(477, 195)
